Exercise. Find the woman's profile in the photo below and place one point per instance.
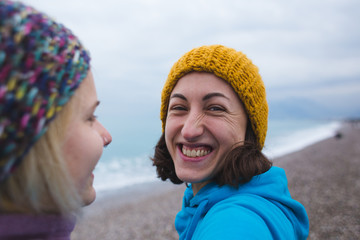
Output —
(50, 139)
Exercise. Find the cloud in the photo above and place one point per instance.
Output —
(294, 43)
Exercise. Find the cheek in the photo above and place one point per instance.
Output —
(169, 132)
(170, 135)
(236, 128)
(82, 152)
(75, 156)
(227, 133)
(168, 142)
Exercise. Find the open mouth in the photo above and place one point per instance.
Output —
(193, 152)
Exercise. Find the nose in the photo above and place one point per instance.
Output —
(107, 139)
(104, 133)
(193, 126)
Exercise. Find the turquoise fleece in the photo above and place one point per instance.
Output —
(260, 209)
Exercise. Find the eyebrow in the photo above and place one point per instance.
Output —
(178, 95)
(97, 103)
(214, 94)
(205, 98)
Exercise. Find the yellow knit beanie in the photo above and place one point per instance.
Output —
(231, 66)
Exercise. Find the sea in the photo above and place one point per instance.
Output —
(127, 162)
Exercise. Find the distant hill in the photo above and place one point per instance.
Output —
(303, 108)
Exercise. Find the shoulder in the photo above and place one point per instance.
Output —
(234, 217)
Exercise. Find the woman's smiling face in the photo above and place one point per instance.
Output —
(205, 120)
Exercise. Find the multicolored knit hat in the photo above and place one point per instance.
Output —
(231, 66)
(41, 65)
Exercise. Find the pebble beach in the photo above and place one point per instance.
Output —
(324, 177)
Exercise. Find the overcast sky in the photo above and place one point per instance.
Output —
(303, 48)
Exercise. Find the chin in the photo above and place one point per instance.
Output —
(189, 175)
(190, 179)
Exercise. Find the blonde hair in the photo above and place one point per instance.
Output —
(42, 183)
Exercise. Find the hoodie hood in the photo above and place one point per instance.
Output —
(270, 186)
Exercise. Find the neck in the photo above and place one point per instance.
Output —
(197, 186)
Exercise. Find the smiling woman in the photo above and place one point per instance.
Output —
(214, 117)
(202, 126)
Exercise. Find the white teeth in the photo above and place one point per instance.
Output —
(194, 153)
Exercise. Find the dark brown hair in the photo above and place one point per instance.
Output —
(239, 166)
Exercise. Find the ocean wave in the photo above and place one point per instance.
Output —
(284, 137)
(298, 139)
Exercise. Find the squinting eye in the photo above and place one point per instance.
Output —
(216, 108)
(92, 118)
(178, 108)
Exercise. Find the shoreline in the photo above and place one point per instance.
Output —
(323, 177)
(301, 139)
(114, 172)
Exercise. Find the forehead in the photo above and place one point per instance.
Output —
(202, 82)
(87, 89)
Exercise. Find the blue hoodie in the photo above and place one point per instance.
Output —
(260, 209)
